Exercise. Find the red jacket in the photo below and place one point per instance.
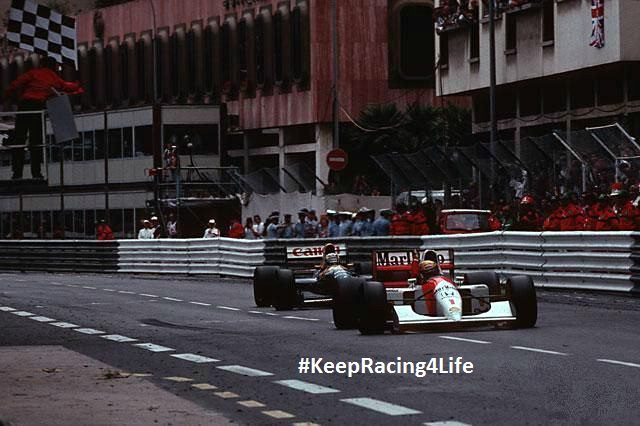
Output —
(608, 220)
(628, 216)
(419, 224)
(552, 223)
(573, 218)
(400, 225)
(36, 85)
(104, 232)
(236, 230)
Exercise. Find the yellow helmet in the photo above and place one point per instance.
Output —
(428, 268)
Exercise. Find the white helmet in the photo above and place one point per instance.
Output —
(331, 259)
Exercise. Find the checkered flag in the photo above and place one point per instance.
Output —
(40, 29)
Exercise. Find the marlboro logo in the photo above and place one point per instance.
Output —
(386, 258)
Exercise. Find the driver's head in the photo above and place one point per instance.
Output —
(331, 259)
(427, 269)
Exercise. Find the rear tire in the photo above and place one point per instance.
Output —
(373, 317)
(489, 278)
(346, 303)
(285, 294)
(524, 300)
(363, 268)
(264, 278)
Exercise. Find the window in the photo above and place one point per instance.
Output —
(260, 48)
(474, 40)
(88, 145)
(582, 91)
(530, 97)
(444, 50)
(78, 223)
(554, 96)
(226, 53)
(90, 223)
(481, 107)
(548, 21)
(510, 33)
(144, 142)
(99, 144)
(77, 148)
(54, 150)
(204, 138)
(115, 143)
(128, 226)
(242, 49)
(212, 60)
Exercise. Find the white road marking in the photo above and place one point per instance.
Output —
(613, 361)
(88, 287)
(204, 386)
(381, 406)
(23, 313)
(245, 371)
(153, 348)
(108, 289)
(42, 319)
(301, 318)
(126, 292)
(278, 414)
(88, 331)
(118, 338)
(271, 314)
(482, 342)
(542, 351)
(64, 324)
(256, 312)
(172, 299)
(148, 295)
(306, 387)
(6, 309)
(195, 358)
(446, 423)
(251, 404)
(200, 303)
(226, 395)
(56, 283)
(228, 308)
(178, 379)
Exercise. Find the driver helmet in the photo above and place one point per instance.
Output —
(331, 259)
(427, 269)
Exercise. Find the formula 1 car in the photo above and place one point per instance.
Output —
(301, 283)
(478, 298)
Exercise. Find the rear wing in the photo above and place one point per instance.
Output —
(304, 258)
(394, 267)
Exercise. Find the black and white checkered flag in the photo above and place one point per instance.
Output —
(40, 29)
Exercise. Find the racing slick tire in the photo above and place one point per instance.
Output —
(524, 300)
(373, 315)
(489, 278)
(346, 303)
(363, 268)
(264, 278)
(285, 294)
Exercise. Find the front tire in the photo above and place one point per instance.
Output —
(285, 294)
(346, 303)
(374, 308)
(524, 300)
(489, 278)
(264, 278)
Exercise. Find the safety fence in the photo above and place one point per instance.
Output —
(606, 261)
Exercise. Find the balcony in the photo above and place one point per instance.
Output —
(455, 14)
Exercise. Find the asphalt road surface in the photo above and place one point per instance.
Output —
(205, 341)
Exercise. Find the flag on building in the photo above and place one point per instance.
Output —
(597, 23)
(40, 29)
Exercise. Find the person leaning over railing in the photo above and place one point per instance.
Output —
(211, 231)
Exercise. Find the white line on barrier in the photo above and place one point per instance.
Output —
(245, 371)
(542, 351)
(200, 303)
(153, 348)
(228, 308)
(306, 386)
(195, 358)
(482, 342)
(301, 318)
(613, 361)
(172, 299)
(381, 406)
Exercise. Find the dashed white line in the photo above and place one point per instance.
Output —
(88, 331)
(56, 283)
(88, 287)
(204, 386)
(381, 406)
(228, 308)
(42, 319)
(195, 358)
(22, 313)
(245, 371)
(118, 338)
(126, 292)
(153, 348)
(446, 423)
(251, 404)
(256, 312)
(62, 324)
(173, 299)
(482, 342)
(178, 379)
(278, 414)
(542, 351)
(271, 314)
(6, 309)
(200, 303)
(109, 289)
(306, 387)
(148, 295)
(613, 361)
(301, 318)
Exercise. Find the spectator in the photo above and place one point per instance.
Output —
(399, 223)
(104, 231)
(212, 231)
(334, 223)
(157, 229)
(34, 88)
(359, 224)
(249, 230)
(299, 227)
(628, 215)
(608, 220)
(369, 216)
(258, 226)
(345, 228)
(172, 227)
(552, 222)
(146, 233)
(528, 217)
(236, 230)
(428, 208)
(574, 216)
(322, 230)
(419, 225)
(382, 224)
(272, 226)
(286, 229)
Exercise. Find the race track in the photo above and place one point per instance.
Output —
(580, 365)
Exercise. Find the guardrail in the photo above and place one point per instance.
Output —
(608, 261)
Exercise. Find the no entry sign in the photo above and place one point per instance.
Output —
(337, 159)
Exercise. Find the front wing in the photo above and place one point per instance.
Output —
(408, 319)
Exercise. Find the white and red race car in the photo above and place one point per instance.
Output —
(394, 300)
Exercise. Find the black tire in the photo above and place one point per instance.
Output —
(489, 278)
(363, 268)
(373, 316)
(346, 303)
(285, 294)
(524, 300)
(264, 278)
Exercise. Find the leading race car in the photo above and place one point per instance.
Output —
(430, 298)
(300, 283)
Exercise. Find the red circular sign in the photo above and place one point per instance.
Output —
(337, 159)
